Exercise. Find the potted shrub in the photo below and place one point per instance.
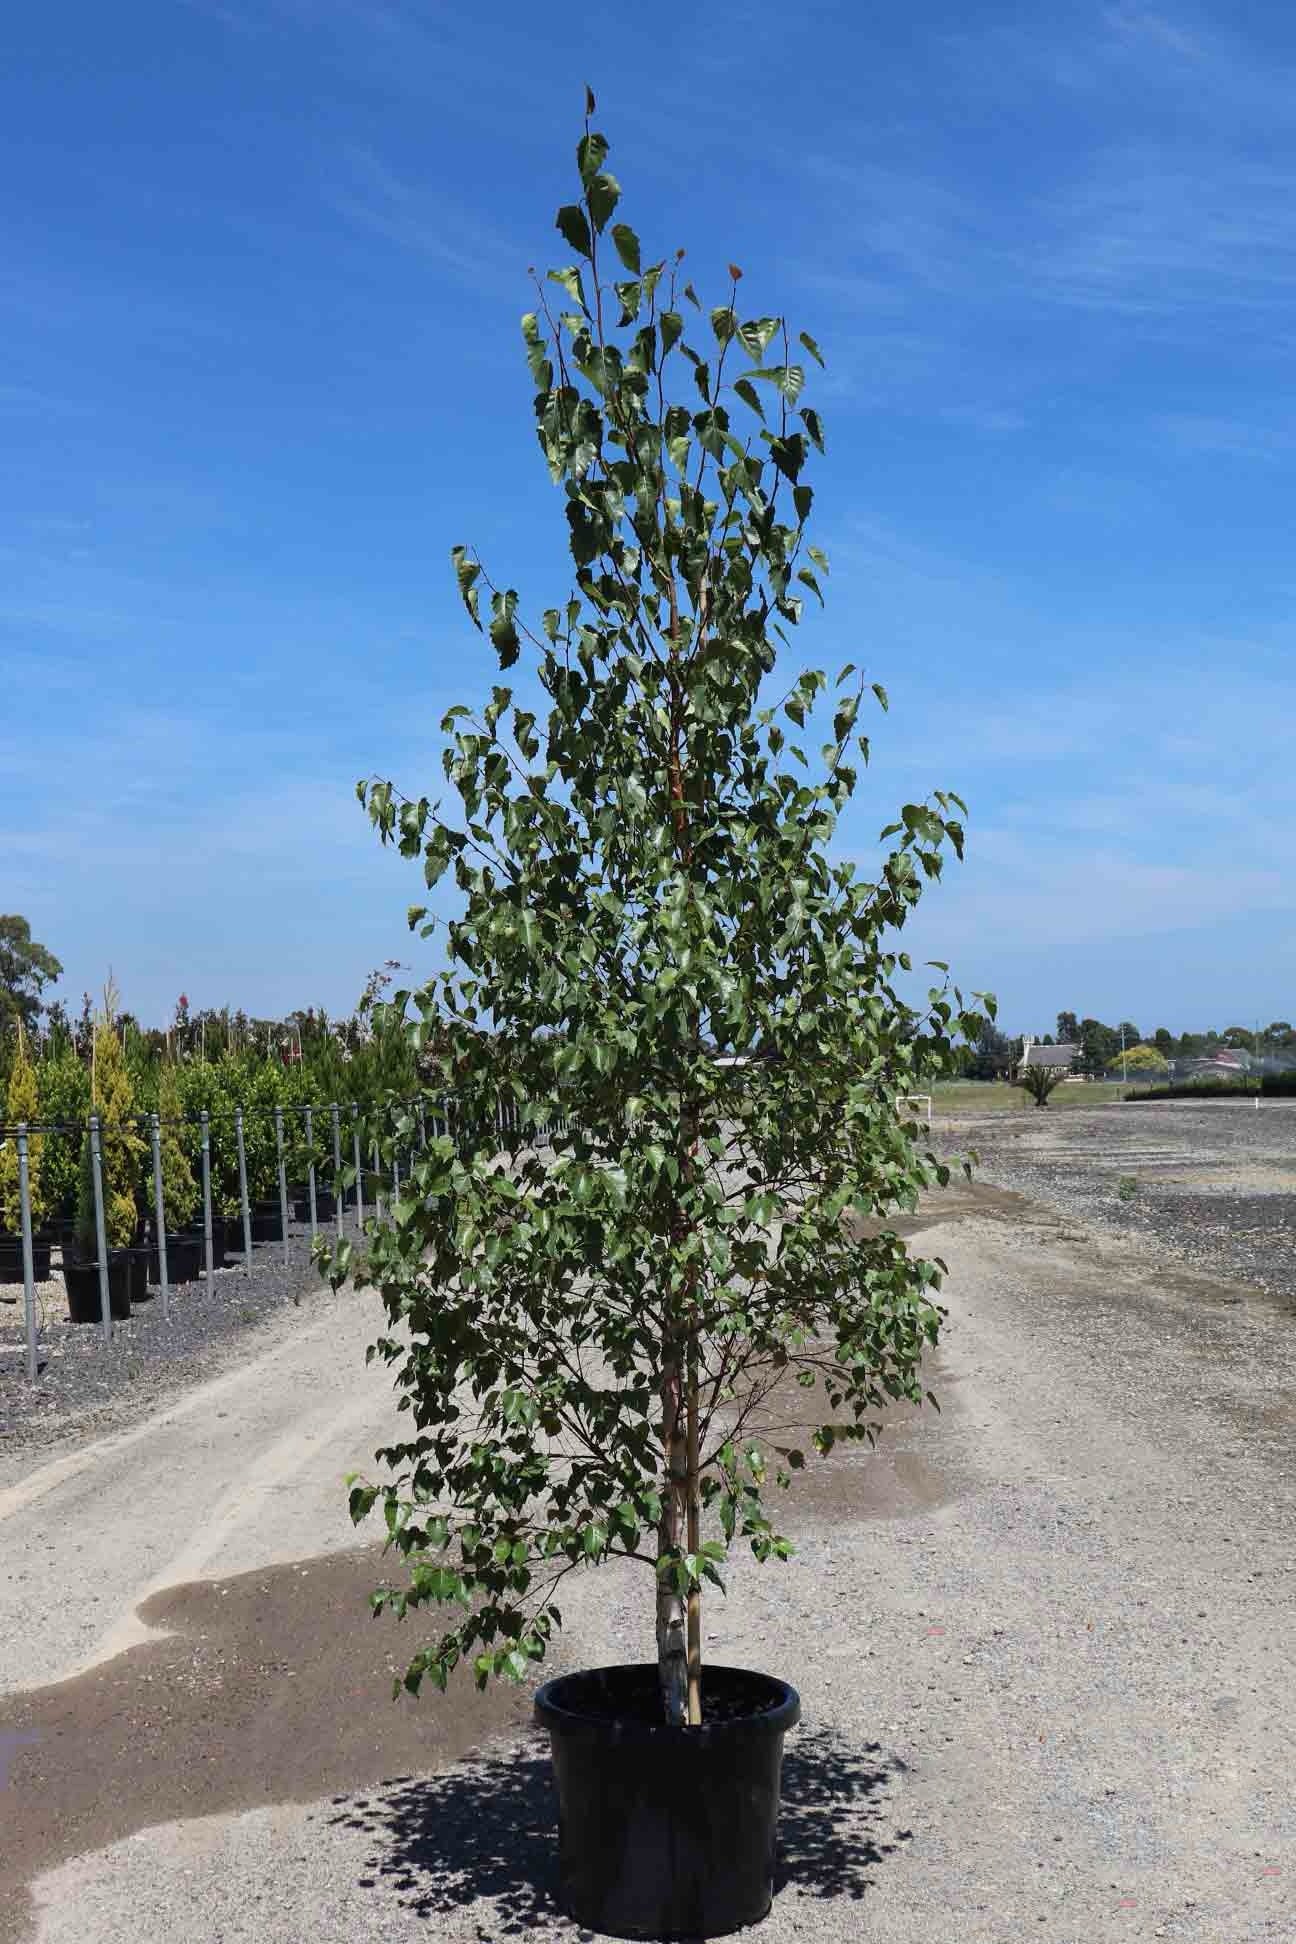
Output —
(64, 1093)
(22, 1104)
(644, 883)
(181, 1195)
(259, 1086)
(203, 1087)
(122, 1153)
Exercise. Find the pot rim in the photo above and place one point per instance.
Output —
(552, 1712)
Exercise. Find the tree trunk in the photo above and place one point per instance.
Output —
(693, 1490)
(672, 1634)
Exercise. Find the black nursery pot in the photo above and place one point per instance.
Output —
(267, 1221)
(184, 1259)
(325, 1206)
(138, 1273)
(11, 1259)
(666, 1832)
(82, 1279)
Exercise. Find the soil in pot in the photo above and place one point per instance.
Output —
(11, 1259)
(666, 1832)
(82, 1279)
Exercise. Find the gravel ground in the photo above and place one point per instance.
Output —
(1044, 1643)
(86, 1387)
(1212, 1187)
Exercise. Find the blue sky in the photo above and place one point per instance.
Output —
(262, 268)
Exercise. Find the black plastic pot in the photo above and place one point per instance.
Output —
(82, 1279)
(325, 1206)
(666, 1832)
(221, 1231)
(138, 1259)
(267, 1222)
(231, 1238)
(11, 1259)
(184, 1259)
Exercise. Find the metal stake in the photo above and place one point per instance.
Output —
(101, 1233)
(355, 1117)
(207, 1207)
(310, 1177)
(159, 1216)
(29, 1274)
(283, 1181)
(244, 1206)
(337, 1169)
(378, 1200)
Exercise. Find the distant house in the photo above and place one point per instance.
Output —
(1034, 1054)
(1229, 1063)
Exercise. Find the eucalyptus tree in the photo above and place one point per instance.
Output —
(636, 1239)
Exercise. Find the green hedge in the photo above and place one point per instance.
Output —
(1273, 1086)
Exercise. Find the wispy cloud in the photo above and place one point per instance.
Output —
(1220, 437)
(1152, 234)
(426, 220)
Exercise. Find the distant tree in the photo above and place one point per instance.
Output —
(1144, 1059)
(1280, 1034)
(1099, 1045)
(1068, 1029)
(1163, 1040)
(1191, 1046)
(1040, 1081)
(1240, 1039)
(22, 1104)
(26, 968)
(991, 1057)
(58, 1027)
(1128, 1032)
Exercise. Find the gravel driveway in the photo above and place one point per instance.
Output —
(1043, 1642)
(1212, 1186)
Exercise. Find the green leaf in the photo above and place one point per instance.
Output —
(750, 396)
(604, 192)
(571, 221)
(591, 153)
(810, 419)
(627, 246)
(570, 280)
(538, 363)
(503, 633)
(757, 335)
(467, 573)
(804, 337)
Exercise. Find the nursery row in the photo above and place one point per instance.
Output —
(144, 1217)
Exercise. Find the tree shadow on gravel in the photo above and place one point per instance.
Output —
(833, 1800)
(487, 1830)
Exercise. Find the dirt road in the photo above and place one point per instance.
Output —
(1043, 1642)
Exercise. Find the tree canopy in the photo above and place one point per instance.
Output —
(26, 968)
